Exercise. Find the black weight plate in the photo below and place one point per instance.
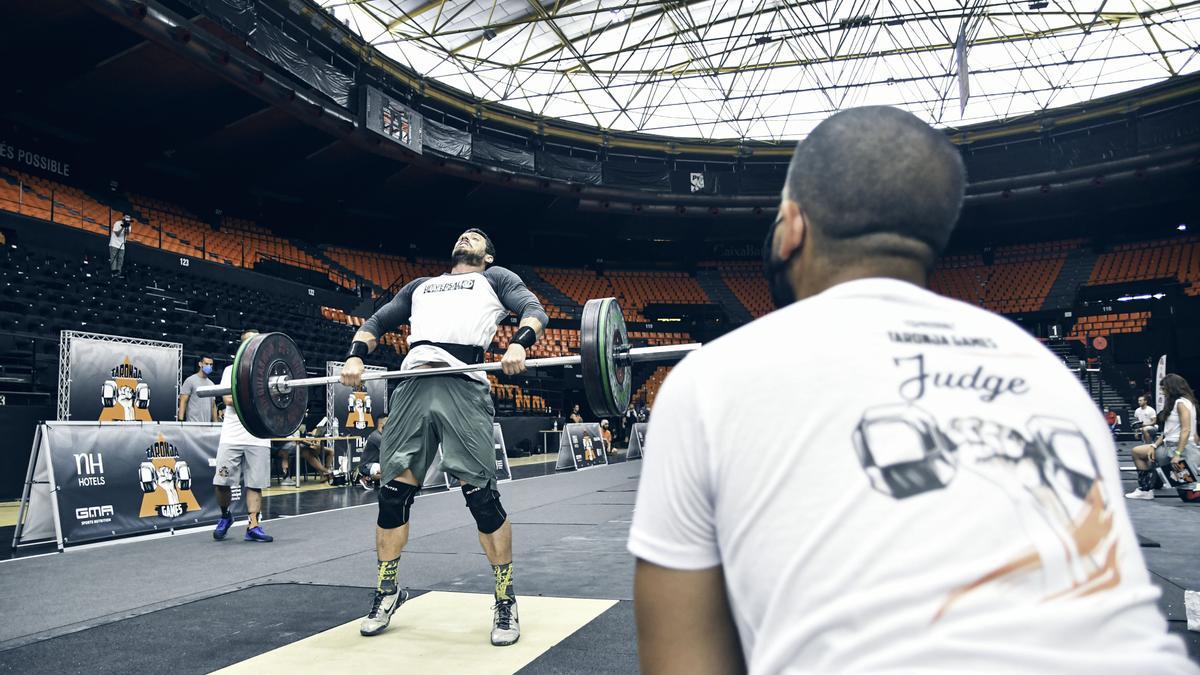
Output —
(264, 412)
(607, 383)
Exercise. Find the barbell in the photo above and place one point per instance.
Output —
(271, 402)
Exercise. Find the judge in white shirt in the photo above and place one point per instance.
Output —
(867, 479)
(1146, 418)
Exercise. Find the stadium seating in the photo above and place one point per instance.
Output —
(1108, 324)
(746, 281)
(1176, 258)
(649, 389)
(383, 270)
(156, 223)
(1018, 280)
(633, 290)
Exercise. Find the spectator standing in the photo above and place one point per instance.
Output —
(116, 244)
(606, 437)
(576, 416)
(627, 421)
(192, 408)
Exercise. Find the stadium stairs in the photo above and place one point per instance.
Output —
(548, 291)
(1076, 270)
(710, 280)
(318, 253)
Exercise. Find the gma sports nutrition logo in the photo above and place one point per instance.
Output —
(125, 397)
(359, 416)
(166, 482)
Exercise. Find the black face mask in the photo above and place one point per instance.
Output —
(777, 271)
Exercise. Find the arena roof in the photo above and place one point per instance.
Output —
(770, 70)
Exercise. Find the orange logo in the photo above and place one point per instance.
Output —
(166, 482)
(360, 417)
(125, 397)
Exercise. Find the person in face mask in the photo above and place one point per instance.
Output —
(929, 483)
(193, 408)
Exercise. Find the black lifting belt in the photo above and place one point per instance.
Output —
(464, 353)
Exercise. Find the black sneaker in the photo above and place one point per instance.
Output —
(506, 629)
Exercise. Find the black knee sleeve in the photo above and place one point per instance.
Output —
(395, 498)
(485, 507)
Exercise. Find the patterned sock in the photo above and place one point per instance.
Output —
(253, 520)
(504, 582)
(387, 576)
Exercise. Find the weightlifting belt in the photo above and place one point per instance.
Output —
(464, 353)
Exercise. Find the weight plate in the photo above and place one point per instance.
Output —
(607, 383)
(264, 412)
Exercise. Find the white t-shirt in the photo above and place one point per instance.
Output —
(232, 431)
(1145, 415)
(1172, 426)
(894, 480)
(455, 308)
(119, 232)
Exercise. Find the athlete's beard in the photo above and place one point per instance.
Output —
(460, 256)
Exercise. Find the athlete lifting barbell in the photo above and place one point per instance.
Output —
(443, 398)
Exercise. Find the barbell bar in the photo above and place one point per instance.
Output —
(271, 403)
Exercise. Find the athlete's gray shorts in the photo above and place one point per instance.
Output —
(454, 411)
(252, 460)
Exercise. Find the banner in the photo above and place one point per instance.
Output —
(111, 480)
(648, 175)
(565, 167)
(435, 476)
(394, 120)
(446, 140)
(637, 441)
(357, 411)
(114, 379)
(499, 153)
(580, 447)
(1160, 398)
(295, 58)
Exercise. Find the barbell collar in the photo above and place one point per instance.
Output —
(634, 355)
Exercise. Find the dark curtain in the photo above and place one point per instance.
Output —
(446, 139)
(563, 167)
(638, 175)
(494, 152)
(284, 50)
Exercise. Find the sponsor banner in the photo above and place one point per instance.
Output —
(581, 447)
(357, 411)
(637, 441)
(116, 381)
(119, 480)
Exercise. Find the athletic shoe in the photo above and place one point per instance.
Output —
(506, 629)
(382, 609)
(257, 534)
(223, 526)
(288, 482)
(1140, 494)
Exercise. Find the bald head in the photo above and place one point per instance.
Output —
(877, 181)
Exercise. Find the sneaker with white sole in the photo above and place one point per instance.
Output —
(506, 629)
(1140, 494)
(382, 608)
(288, 482)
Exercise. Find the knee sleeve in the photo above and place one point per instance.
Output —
(485, 507)
(395, 498)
